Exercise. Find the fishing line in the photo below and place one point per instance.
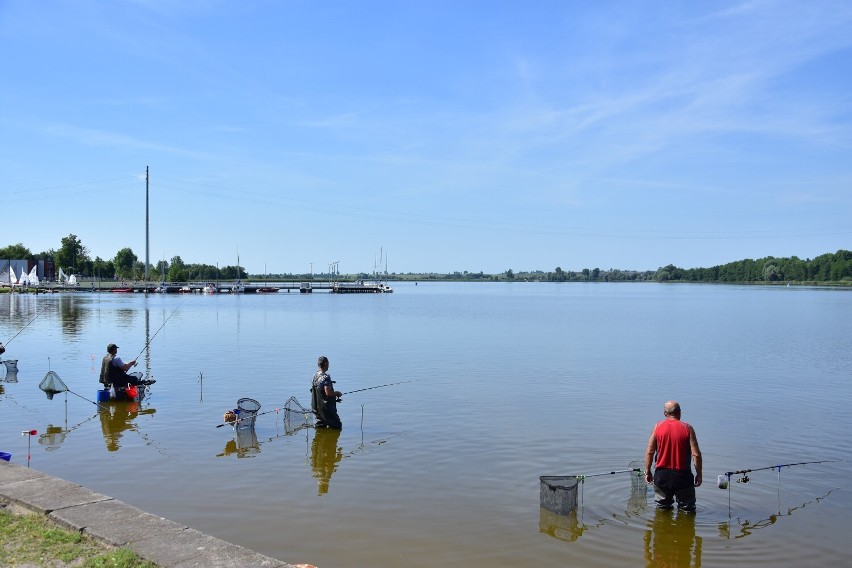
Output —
(87, 400)
(50, 305)
(158, 331)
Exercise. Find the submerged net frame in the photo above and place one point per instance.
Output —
(51, 384)
(558, 493)
(11, 370)
(296, 416)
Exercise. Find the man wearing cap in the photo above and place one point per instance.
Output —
(114, 370)
(673, 443)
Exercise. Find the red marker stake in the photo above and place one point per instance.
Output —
(29, 434)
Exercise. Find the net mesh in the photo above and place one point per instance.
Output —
(296, 416)
(558, 493)
(51, 384)
(246, 412)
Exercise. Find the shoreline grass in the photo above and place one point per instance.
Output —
(29, 539)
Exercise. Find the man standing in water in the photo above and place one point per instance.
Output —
(673, 441)
(324, 398)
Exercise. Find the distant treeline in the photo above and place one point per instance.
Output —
(825, 268)
(74, 258)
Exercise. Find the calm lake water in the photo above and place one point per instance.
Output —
(508, 382)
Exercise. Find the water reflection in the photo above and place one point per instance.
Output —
(11, 368)
(325, 454)
(244, 444)
(670, 540)
(54, 436)
(117, 417)
(740, 528)
(564, 527)
(71, 316)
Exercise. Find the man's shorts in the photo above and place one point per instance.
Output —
(671, 485)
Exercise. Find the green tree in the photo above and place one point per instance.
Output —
(103, 269)
(123, 263)
(510, 275)
(15, 252)
(770, 272)
(162, 268)
(177, 270)
(72, 254)
(586, 273)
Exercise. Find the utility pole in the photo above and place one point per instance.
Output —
(147, 238)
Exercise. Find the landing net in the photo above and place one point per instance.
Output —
(246, 412)
(558, 493)
(296, 416)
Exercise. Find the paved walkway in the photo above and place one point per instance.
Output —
(115, 523)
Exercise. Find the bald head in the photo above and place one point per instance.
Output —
(671, 408)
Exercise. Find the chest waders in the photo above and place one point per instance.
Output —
(325, 409)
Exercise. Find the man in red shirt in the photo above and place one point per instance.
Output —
(673, 442)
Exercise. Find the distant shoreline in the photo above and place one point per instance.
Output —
(109, 286)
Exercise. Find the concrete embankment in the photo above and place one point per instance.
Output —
(115, 523)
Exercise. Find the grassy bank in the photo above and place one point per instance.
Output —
(32, 540)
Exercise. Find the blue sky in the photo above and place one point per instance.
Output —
(454, 135)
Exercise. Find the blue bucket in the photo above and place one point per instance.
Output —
(5, 456)
(103, 395)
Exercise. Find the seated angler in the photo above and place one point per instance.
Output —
(114, 371)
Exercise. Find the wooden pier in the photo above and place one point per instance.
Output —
(359, 287)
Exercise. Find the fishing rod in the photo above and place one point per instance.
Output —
(377, 387)
(50, 305)
(338, 400)
(237, 418)
(631, 470)
(723, 483)
(300, 410)
(158, 331)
